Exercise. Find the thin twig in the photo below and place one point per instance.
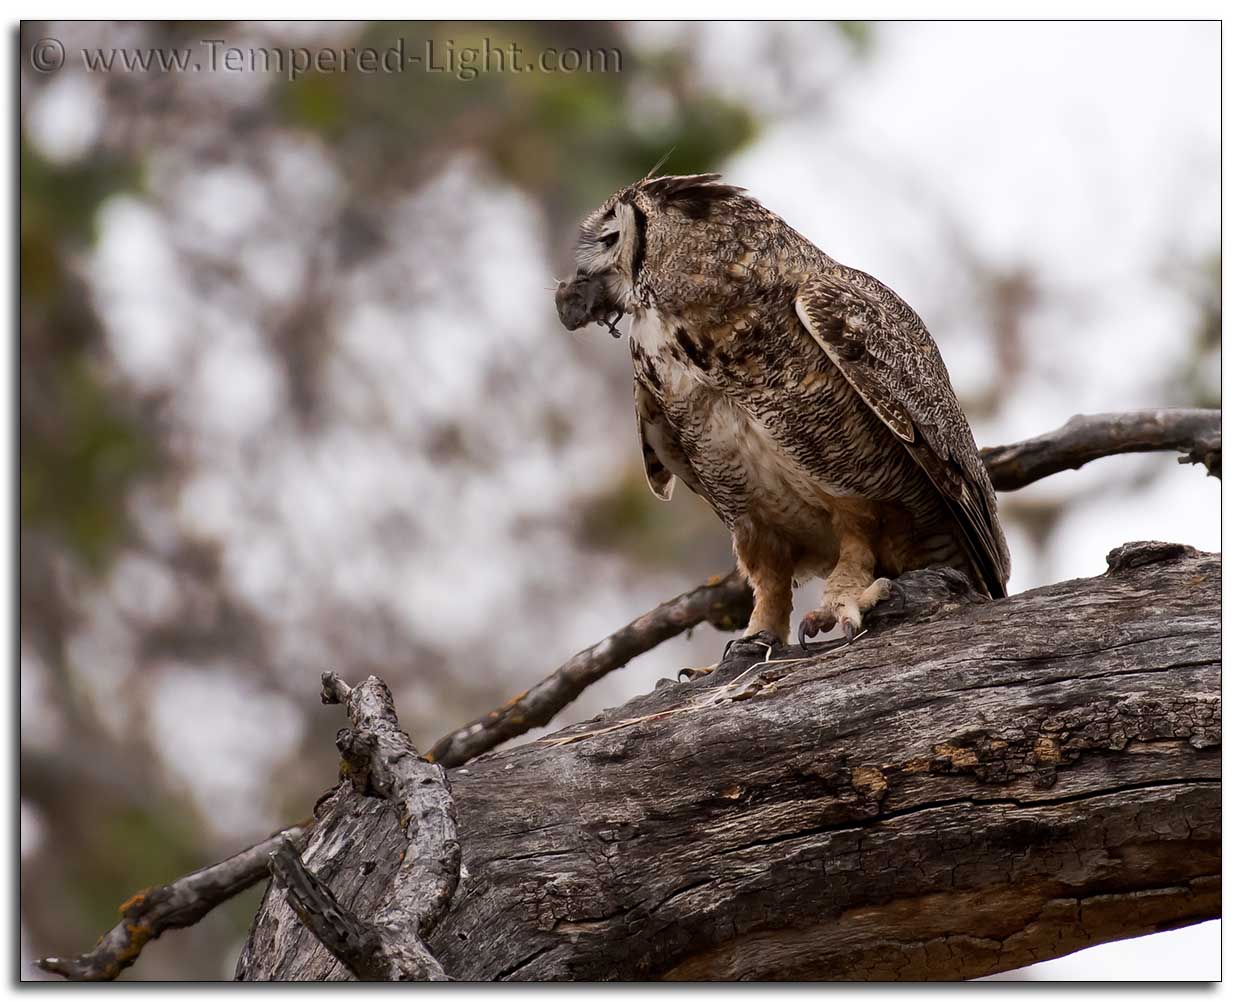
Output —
(170, 906)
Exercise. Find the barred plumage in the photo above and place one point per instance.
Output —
(802, 399)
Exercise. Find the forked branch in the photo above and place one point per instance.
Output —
(381, 761)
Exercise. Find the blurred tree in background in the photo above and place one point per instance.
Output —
(293, 396)
(352, 193)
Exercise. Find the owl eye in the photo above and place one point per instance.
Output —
(608, 239)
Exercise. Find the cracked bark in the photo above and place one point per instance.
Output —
(970, 788)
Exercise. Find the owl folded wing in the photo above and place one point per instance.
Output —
(887, 355)
(653, 433)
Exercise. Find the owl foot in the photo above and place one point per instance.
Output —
(759, 645)
(845, 609)
(817, 622)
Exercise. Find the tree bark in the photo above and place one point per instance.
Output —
(969, 788)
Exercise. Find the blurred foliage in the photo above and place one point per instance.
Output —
(88, 439)
(75, 476)
(59, 202)
(626, 517)
(1203, 369)
(82, 443)
(124, 842)
(1194, 378)
(860, 34)
(568, 138)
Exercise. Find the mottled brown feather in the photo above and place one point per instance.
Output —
(803, 400)
(883, 348)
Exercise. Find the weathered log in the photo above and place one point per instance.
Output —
(946, 798)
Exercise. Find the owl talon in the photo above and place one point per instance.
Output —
(813, 624)
(690, 674)
(804, 632)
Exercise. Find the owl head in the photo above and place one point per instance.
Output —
(621, 241)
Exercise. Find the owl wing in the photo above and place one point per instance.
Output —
(887, 355)
(652, 430)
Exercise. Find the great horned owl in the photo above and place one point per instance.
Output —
(802, 399)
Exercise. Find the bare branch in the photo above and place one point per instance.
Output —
(724, 602)
(170, 906)
(354, 943)
(419, 789)
(1195, 433)
(382, 761)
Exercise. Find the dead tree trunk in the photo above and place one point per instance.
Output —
(972, 788)
(976, 787)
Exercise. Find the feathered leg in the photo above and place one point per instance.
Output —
(767, 561)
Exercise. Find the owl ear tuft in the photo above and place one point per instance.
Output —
(694, 195)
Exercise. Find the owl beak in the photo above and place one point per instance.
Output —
(585, 298)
